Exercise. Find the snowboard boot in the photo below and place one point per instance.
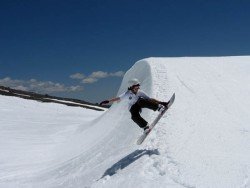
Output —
(162, 106)
(146, 129)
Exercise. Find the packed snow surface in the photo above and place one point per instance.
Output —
(202, 141)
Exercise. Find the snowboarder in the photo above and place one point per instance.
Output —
(138, 99)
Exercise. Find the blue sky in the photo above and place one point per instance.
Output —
(80, 48)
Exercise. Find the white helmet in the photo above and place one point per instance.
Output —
(133, 82)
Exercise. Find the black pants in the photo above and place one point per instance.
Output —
(136, 109)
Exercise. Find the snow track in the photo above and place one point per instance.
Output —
(202, 141)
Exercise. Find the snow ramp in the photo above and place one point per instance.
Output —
(202, 141)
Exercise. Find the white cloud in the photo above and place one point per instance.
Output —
(76, 88)
(7, 79)
(95, 76)
(38, 86)
(32, 80)
(99, 74)
(89, 80)
(23, 88)
(11, 83)
(77, 76)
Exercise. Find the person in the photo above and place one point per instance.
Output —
(138, 99)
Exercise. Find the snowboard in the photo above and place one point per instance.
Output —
(152, 125)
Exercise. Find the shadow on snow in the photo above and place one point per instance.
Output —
(129, 159)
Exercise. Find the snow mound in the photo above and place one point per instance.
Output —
(202, 141)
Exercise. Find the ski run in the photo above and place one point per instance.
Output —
(203, 141)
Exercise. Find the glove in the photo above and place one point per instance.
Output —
(104, 102)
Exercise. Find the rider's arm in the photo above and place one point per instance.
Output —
(114, 99)
(122, 96)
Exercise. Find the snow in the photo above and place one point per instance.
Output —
(202, 141)
(4, 90)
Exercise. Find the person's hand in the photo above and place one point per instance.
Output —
(104, 102)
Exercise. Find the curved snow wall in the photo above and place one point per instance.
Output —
(113, 130)
(142, 71)
(203, 139)
(105, 138)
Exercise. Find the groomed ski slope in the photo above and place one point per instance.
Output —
(202, 141)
